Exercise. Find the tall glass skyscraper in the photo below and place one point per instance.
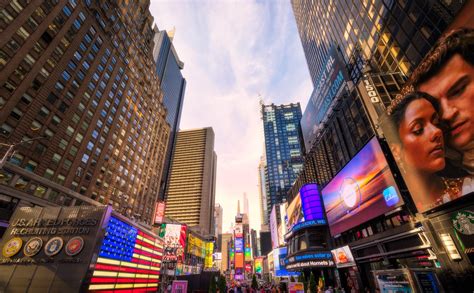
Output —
(173, 85)
(283, 148)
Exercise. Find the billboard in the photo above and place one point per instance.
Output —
(239, 245)
(282, 226)
(331, 82)
(159, 212)
(248, 254)
(362, 190)
(279, 267)
(274, 227)
(258, 265)
(343, 257)
(294, 212)
(306, 209)
(430, 126)
(174, 236)
(239, 260)
(311, 202)
(238, 231)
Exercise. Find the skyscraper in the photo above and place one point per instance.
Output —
(284, 155)
(390, 36)
(191, 193)
(173, 85)
(218, 219)
(262, 192)
(81, 74)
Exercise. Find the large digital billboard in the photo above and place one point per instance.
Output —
(174, 236)
(362, 190)
(239, 260)
(258, 265)
(305, 210)
(279, 267)
(331, 82)
(239, 245)
(294, 212)
(274, 227)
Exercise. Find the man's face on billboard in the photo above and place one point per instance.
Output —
(454, 87)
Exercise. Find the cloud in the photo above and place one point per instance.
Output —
(233, 51)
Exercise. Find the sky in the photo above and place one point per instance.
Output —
(235, 53)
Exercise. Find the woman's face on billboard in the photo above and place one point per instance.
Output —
(421, 137)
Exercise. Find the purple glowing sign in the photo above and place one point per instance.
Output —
(311, 202)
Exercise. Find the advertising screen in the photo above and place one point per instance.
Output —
(274, 227)
(175, 241)
(258, 264)
(239, 260)
(248, 254)
(331, 82)
(159, 211)
(238, 230)
(362, 190)
(311, 202)
(279, 267)
(239, 245)
(343, 257)
(294, 212)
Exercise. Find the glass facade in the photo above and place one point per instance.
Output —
(283, 149)
(389, 35)
(173, 85)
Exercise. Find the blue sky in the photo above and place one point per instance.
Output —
(234, 51)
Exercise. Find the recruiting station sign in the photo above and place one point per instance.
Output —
(50, 246)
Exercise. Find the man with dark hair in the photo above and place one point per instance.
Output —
(447, 73)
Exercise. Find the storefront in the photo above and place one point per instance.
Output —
(76, 249)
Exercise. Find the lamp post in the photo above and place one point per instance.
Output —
(11, 149)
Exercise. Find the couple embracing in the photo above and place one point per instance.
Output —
(431, 124)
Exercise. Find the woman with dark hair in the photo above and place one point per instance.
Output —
(418, 145)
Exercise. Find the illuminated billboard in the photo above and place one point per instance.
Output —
(159, 212)
(311, 202)
(248, 254)
(279, 267)
(294, 212)
(274, 227)
(343, 257)
(305, 210)
(239, 260)
(258, 265)
(239, 245)
(174, 236)
(238, 231)
(362, 190)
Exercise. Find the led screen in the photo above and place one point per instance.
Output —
(131, 250)
(343, 257)
(311, 202)
(294, 212)
(239, 244)
(239, 260)
(175, 241)
(279, 255)
(274, 227)
(258, 265)
(248, 254)
(362, 190)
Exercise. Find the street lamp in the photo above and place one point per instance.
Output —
(11, 149)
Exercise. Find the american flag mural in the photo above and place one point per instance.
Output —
(129, 260)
